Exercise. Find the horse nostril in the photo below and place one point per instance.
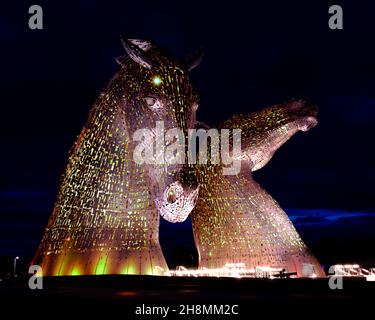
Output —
(171, 196)
(174, 191)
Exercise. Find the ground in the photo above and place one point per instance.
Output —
(122, 295)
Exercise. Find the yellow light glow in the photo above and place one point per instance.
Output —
(129, 269)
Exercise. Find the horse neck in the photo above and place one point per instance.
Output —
(103, 159)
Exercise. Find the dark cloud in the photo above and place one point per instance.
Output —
(327, 217)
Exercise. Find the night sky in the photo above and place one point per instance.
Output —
(258, 53)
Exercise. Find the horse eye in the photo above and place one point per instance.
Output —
(153, 103)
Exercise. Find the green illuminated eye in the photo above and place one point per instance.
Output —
(156, 81)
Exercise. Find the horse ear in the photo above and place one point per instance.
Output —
(192, 60)
(136, 50)
(122, 60)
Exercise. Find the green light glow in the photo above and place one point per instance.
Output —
(75, 272)
(156, 80)
(101, 266)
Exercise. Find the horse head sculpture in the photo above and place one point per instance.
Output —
(106, 217)
(235, 220)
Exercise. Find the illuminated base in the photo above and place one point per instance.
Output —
(234, 270)
(353, 270)
(138, 262)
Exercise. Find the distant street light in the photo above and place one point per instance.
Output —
(15, 265)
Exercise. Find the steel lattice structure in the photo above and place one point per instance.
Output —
(106, 216)
(235, 220)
